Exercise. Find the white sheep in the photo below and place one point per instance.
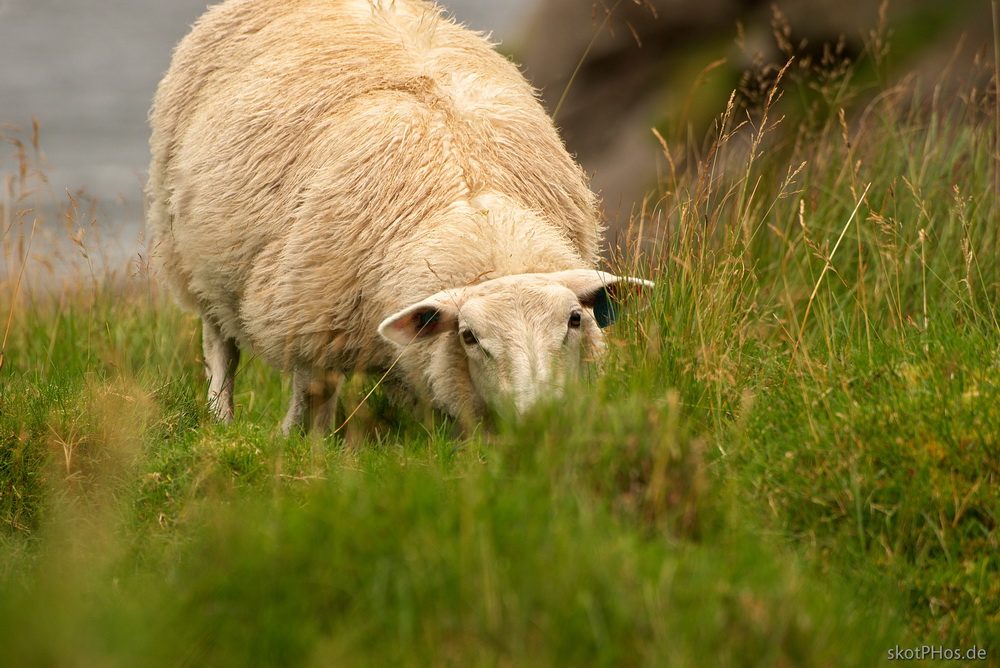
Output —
(321, 166)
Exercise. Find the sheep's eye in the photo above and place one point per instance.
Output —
(574, 319)
(469, 338)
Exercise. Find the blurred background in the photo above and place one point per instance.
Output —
(87, 69)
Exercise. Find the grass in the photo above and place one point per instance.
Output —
(791, 460)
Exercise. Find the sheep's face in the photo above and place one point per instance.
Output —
(515, 340)
(523, 342)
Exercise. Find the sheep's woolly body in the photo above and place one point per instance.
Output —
(320, 164)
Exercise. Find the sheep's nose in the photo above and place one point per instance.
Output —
(535, 383)
(523, 402)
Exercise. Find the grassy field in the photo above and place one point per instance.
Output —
(793, 458)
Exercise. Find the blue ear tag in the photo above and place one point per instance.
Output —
(605, 310)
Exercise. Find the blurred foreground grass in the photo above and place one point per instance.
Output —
(792, 458)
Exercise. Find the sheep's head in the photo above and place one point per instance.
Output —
(514, 339)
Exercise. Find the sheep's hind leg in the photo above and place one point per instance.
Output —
(314, 400)
(222, 357)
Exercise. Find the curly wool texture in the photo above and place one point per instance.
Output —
(320, 164)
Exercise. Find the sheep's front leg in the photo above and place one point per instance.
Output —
(222, 357)
(314, 400)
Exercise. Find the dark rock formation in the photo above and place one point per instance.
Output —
(647, 54)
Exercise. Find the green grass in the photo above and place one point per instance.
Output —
(791, 460)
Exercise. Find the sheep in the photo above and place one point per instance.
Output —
(365, 185)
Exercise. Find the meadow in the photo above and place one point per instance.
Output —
(792, 458)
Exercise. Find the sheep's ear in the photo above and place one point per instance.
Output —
(601, 291)
(420, 322)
